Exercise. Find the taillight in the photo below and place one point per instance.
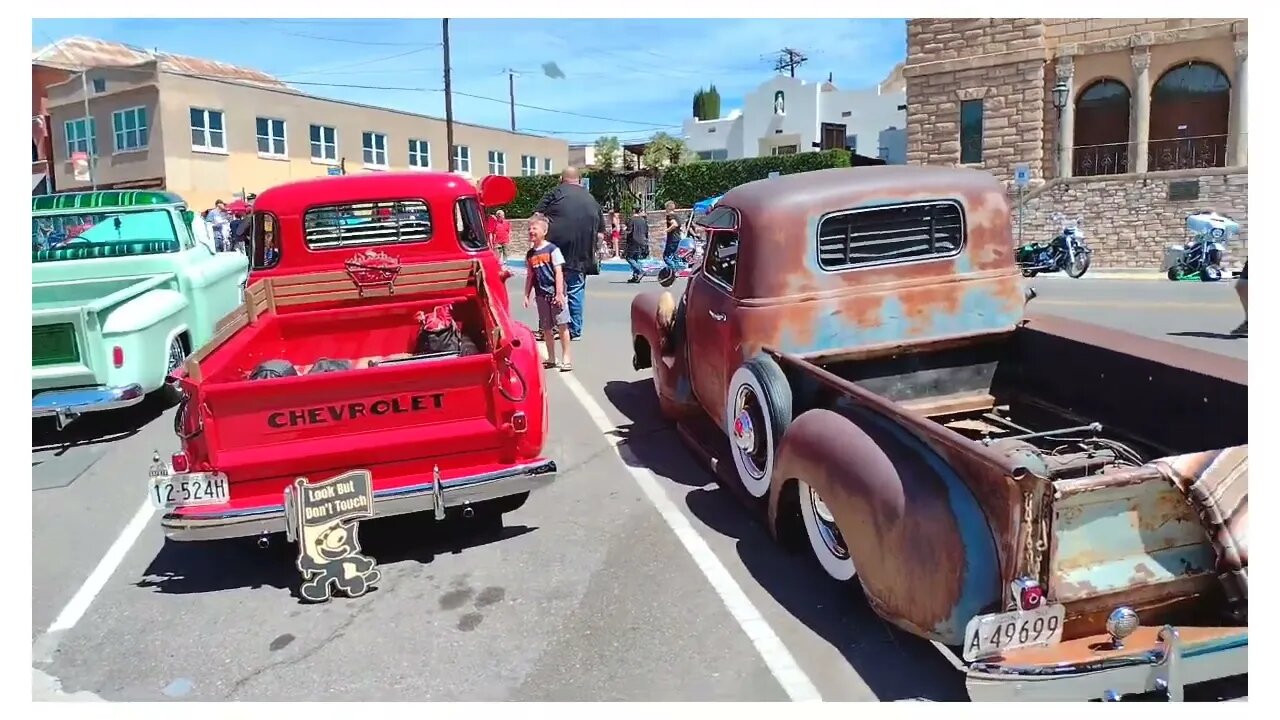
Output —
(519, 422)
(180, 463)
(117, 356)
(1028, 594)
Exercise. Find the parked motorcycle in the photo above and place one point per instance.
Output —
(1066, 252)
(1202, 255)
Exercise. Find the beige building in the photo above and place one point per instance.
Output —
(207, 130)
(1129, 123)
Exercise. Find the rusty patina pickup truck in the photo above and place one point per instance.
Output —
(1061, 508)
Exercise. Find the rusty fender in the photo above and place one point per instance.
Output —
(923, 550)
(671, 382)
(644, 323)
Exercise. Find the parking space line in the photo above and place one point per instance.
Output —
(781, 663)
(79, 603)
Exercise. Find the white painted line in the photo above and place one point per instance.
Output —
(775, 654)
(80, 602)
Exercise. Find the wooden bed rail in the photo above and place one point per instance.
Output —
(332, 286)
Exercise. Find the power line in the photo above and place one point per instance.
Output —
(561, 112)
(348, 41)
(600, 132)
(362, 62)
(789, 59)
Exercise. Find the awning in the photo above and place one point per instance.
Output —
(36, 180)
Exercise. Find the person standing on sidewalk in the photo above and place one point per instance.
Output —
(577, 228)
(637, 244)
(499, 234)
(671, 247)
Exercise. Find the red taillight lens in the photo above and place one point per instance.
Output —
(117, 356)
(1032, 597)
(180, 462)
(519, 422)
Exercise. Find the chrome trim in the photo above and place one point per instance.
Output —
(453, 492)
(67, 405)
(1168, 668)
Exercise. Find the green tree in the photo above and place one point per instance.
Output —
(699, 104)
(710, 104)
(664, 149)
(607, 151)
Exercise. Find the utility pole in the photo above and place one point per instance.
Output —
(790, 59)
(511, 94)
(448, 99)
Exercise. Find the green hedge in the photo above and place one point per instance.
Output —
(687, 184)
(529, 190)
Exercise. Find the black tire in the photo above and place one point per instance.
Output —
(666, 277)
(177, 353)
(1173, 274)
(1080, 268)
(1029, 273)
(1210, 273)
(758, 410)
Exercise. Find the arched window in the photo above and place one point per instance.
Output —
(1190, 109)
(1101, 129)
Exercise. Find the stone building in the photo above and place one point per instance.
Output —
(1149, 122)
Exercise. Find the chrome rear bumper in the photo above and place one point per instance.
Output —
(67, 405)
(452, 492)
(1168, 668)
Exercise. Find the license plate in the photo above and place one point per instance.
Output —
(53, 345)
(189, 490)
(996, 633)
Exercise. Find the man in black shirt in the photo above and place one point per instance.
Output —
(637, 244)
(577, 228)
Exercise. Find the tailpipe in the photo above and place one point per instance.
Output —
(468, 512)
(264, 542)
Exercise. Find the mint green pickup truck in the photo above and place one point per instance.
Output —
(124, 285)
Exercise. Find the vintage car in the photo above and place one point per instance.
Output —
(324, 369)
(122, 290)
(1062, 508)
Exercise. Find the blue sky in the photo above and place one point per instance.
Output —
(635, 76)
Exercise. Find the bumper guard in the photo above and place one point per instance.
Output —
(67, 405)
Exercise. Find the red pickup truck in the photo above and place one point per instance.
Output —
(374, 335)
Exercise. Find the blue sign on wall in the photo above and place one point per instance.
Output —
(335, 171)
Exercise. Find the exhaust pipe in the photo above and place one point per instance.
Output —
(264, 542)
(468, 512)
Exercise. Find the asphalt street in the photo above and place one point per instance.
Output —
(632, 577)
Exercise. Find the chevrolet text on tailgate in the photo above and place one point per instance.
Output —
(1060, 507)
(375, 335)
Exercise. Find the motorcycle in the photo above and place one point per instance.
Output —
(1202, 255)
(1066, 252)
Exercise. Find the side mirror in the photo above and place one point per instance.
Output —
(497, 190)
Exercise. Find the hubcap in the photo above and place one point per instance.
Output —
(176, 356)
(744, 435)
(827, 529)
(748, 417)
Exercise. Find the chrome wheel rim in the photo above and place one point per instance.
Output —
(748, 422)
(827, 529)
(176, 355)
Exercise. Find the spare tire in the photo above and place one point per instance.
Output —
(273, 369)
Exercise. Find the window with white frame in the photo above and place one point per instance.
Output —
(82, 136)
(324, 143)
(271, 138)
(528, 165)
(497, 162)
(375, 149)
(130, 128)
(546, 166)
(207, 130)
(461, 158)
(419, 153)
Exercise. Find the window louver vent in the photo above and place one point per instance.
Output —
(890, 235)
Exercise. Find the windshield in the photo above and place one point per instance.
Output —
(103, 234)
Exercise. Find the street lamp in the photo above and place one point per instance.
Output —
(1060, 92)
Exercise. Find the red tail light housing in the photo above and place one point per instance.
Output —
(117, 356)
(1027, 593)
(180, 462)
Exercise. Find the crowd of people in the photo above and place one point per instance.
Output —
(230, 225)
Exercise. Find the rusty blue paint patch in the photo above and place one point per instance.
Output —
(980, 309)
(980, 584)
(1112, 539)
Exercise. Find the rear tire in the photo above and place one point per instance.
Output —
(177, 354)
(825, 540)
(757, 412)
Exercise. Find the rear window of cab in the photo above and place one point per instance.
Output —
(384, 222)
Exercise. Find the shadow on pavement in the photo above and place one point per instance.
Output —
(1208, 335)
(97, 427)
(894, 664)
(182, 568)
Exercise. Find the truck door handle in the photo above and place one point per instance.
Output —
(718, 317)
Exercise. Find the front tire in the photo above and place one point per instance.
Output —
(1210, 273)
(825, 540)
(757, 413)
(1173, 274)
(1077, 270)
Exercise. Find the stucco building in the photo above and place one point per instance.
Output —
(1151, 121)
(208, 130)
(787, 115)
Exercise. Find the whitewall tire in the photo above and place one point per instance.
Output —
(757, 412)
(825, 539)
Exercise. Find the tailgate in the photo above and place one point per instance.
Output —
(298, 425)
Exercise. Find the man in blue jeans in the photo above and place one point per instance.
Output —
(577, 228)
(672, 246)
